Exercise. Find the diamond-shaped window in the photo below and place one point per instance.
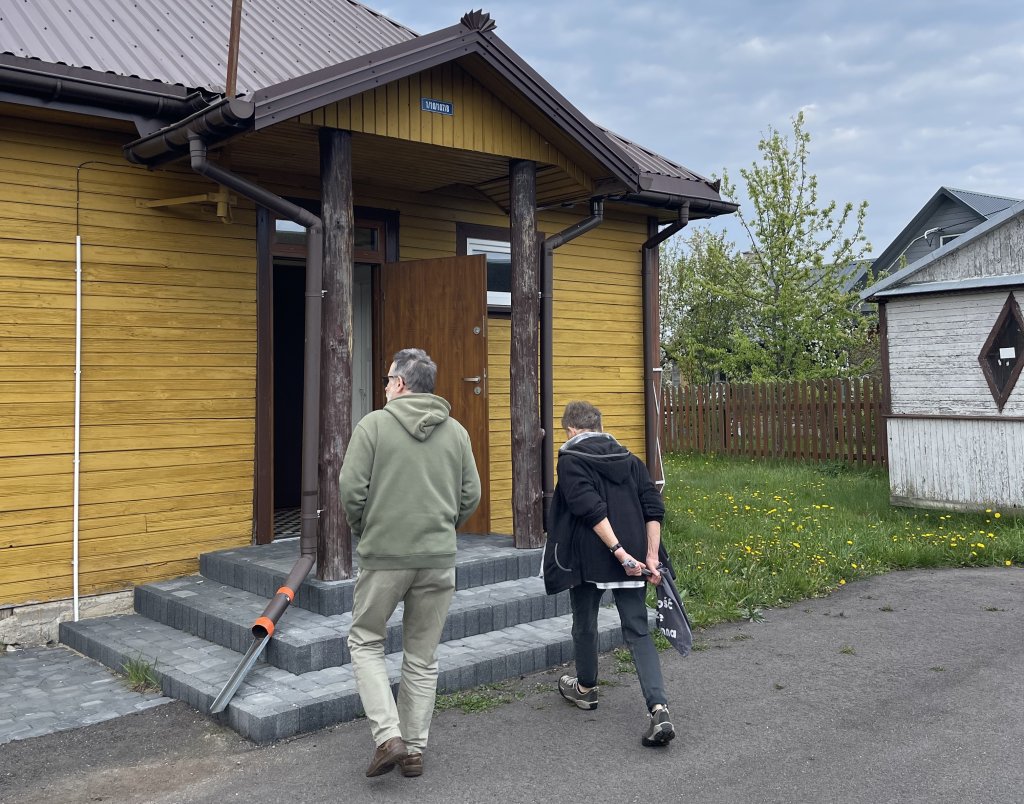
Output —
(1002, 356)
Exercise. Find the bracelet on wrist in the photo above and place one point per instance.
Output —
(615, 547)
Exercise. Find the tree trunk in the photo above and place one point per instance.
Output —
(527, 520)
(334, 549)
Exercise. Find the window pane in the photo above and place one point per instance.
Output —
(366, 238)
(499, 273)
(289, 233)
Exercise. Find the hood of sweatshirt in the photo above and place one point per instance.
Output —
(602, 452)
(419, 414)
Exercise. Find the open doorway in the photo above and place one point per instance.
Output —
(289, 342)
(282, 339)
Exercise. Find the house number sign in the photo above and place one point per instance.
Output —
(437, 106)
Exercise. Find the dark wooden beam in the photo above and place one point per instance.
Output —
(334, 548)
(263, 497)
(527, 519)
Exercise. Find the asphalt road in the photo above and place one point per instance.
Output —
(900, 688)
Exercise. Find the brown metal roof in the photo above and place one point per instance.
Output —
(185, 42)
(659, 174)
(297, 52)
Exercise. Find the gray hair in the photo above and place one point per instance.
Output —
(417, 369)
(581, 416)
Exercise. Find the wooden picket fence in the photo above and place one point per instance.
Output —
(814, 420)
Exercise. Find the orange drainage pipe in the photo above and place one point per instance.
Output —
(263, 629)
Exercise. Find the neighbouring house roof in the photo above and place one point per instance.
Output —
(984, 204)
(294, 55)
(902, 282)
(981, 205)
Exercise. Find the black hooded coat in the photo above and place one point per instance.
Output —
(597, 478)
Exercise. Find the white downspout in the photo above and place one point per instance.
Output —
(78, 409)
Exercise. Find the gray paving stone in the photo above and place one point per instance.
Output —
(501, 625)
(74, 691)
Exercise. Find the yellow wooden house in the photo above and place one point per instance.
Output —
(160, 218)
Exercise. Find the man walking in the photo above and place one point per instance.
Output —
(604, 532)
(407, 482)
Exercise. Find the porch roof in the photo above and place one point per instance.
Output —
(298, 56)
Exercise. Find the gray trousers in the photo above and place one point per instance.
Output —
(632, 606)
(427, 594)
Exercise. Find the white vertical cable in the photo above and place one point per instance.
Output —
(78, 408)
(657, 435)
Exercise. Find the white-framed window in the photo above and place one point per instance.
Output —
(943, 239)
(499, 271)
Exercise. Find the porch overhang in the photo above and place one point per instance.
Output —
(618, 170)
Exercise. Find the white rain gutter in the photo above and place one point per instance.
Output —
(78, 414)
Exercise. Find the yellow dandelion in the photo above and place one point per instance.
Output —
(842, 581)
(1007, 563)
(997, 515)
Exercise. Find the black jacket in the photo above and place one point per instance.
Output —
(597, 478)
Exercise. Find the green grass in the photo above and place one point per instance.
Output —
(744, 535)
(141, 675)
(480, 699)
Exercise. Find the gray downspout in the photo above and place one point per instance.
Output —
(547, 294)
(652, 337)
(264, 625)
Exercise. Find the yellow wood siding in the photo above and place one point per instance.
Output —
(481, 122)
(168, 366)
(598, 313)
(169, 345)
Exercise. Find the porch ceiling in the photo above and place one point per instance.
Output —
(292, 148)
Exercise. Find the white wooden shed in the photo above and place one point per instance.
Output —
(952, 339)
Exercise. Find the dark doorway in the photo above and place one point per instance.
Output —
(289, 332)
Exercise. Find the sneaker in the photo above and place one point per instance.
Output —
(659, 730)
(569, 687)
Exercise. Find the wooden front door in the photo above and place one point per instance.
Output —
(440, 306)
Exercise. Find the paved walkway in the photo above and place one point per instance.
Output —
(898, 688)
(45, 690)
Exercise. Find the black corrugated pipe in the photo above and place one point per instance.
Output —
(264, 625)
(547, 394)
(652, 336)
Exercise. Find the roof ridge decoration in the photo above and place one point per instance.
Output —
(478, 21)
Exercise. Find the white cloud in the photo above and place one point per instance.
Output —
(900, 97)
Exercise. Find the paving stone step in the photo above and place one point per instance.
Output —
(262, 569)
(273, 703)
(305, 641)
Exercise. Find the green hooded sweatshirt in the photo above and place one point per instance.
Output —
(407, 482)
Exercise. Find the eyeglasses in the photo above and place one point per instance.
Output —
(389, 378)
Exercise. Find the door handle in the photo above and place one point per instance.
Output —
(471, 379)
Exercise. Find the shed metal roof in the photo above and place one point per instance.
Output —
(185, 42)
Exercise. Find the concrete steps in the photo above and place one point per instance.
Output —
(305, 641)
(194, 630)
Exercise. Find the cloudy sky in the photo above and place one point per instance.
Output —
(900, 97)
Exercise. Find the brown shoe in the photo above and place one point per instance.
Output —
(387, 754)
(412, 765)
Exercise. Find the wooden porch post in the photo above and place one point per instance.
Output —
(527, 520)
(334, 548)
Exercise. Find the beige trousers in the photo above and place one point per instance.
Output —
(427, 594)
